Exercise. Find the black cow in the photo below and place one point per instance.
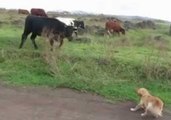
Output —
(47, 26)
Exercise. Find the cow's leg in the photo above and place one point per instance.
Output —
(111, 32)
(57, 39)
(108, 32)
(61, 41)
(23, 39)
(51, 43)
(33, 36)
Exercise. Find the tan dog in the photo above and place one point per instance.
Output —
(149, 103)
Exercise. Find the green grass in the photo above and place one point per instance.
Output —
(109, 66)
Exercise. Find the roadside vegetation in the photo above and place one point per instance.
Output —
(112, 67)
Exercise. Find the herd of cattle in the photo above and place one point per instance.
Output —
(56, 29)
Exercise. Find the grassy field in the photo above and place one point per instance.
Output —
(112, 67)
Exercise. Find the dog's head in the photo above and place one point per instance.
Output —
(142, 92)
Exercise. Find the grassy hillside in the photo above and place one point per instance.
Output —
(110, 66)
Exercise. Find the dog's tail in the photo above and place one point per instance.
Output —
(157, 111)
(159, 104)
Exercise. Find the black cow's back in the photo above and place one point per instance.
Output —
(36, 24)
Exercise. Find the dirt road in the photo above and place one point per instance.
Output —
(62, 104)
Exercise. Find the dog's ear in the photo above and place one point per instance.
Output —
(138, 91)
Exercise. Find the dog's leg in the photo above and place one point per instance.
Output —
(136, 108)
(145, 113)
(146, 109)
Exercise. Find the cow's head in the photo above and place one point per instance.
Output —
(79, 24)
(69, 31)
(123, 31)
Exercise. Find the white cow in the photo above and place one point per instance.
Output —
(68, 22)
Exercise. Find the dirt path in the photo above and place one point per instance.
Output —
(62, 104)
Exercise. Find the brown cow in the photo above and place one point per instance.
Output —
(38, 12)
(23, 11)
(113, 26)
